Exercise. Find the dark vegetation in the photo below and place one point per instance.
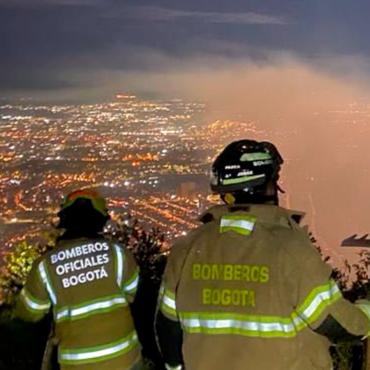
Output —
(23, 345)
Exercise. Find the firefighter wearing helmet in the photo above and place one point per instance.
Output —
(247, 289)
(88, 283)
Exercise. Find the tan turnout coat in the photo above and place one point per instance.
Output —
(249, 288)
(88, 284)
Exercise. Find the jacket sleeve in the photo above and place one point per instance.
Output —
(130, 276)
(168, 328)
(33, 302)
(316, 298)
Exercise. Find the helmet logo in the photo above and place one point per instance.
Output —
(232, 167)
(245, 173)
(258, 156)
(262, 163)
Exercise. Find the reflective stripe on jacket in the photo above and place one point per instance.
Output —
(89, 284)
(248, 288)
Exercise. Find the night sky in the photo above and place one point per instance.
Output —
(299, 69)
(89, 47)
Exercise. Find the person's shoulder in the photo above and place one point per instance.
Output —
(183, 244)
(296, 244)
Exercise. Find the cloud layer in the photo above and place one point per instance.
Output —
(40, 3)
(161, 14)
(319, 120)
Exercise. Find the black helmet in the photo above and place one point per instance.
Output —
(247, 166)
(83, 211)
(90, 196)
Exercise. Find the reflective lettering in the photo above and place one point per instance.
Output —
(82, 267)
(84, 277)
(265, 274)
(229, 297)
(60, 270)
(230, 272)
(255, 273)
(71, 253)
(245, 273)
(78, 251)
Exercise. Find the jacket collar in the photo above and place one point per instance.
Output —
(264, 212)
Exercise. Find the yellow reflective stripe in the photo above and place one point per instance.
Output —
(98, 353)
(264, 326)
(318, 300)
(242, 224)
(239, 180)
(131, 285)
(168, 302)
(47, 282)
(119, 264)
(231, 323)
(89, 308)
(33, 304)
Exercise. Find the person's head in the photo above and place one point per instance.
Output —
(83, 213)
(247, 171)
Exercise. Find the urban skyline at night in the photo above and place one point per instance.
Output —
(151, 159)
(136, 98)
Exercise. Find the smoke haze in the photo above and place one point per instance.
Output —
(319, 121)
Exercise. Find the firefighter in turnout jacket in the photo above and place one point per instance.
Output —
(247, 289)
(88, 283)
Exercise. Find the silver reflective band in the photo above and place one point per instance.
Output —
(243, 224)
(318, 300)
(46, 281)
(238, 324)
(169, 367)
(119, 256)
(31, 303)
(230, 323)
(132, 286)
(89, 308)
(169, 301)
(98, 352)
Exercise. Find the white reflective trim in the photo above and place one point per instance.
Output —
(243, 224)
(33, 304)
(119, 272)
(62, 314)
(298, 321)
(132, 286)
(169, 301)
(237, 324)
(90, 307)
(99, 353)
(47, 283)
(161, 291)
(319, 298)
(169, 367)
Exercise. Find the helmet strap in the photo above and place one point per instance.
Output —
(264, 195)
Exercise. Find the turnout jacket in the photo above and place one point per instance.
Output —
(88, 284)
(249, 290)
